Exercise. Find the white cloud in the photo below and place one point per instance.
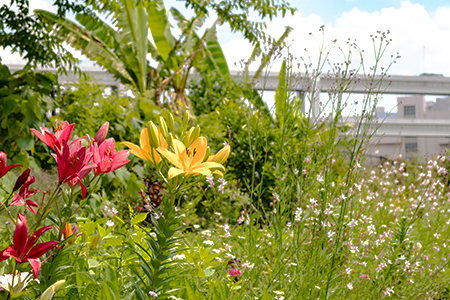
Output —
(412, 28)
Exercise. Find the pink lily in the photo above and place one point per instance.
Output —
(73, 164)
(24, 248)
(22, 179)
(20, 198)
(100, 136)
(106, 159)
(62, 135)
(3, 168)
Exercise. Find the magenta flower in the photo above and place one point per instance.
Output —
(234, 272)
(62, 135)
(73, 164)
(22, 179)
(25, 192)
(24, 248)
(106, 159)
(3, 168)
(100, 136)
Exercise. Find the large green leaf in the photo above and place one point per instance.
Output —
(215, 54)
(133, 24)
(159, 25)
(90, 45)
(281, 95)
(100, 29)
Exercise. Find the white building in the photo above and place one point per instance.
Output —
(423, 128)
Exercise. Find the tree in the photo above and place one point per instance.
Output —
(124, 52)
(21, 31)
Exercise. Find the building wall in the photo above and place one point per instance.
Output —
(391, 147)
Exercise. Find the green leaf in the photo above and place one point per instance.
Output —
(159, 25)
(133, 22)
(92, 263)
(90, 45)
(9, 103)
(93, 292)
(216, 56)
(113, 241)
(139, 218)
(281, 95)
(26, 143)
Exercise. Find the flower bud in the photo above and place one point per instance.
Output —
(68, 232)
(48, 294)
(100, 136)
(171, 123)
(185, 119)
(192, 135)
(221, 156)
(94, 242)
(152, 132)
(163, 128)
(21, 179)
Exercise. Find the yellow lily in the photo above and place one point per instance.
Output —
(145, 150)
(220, 157)
(189, 160)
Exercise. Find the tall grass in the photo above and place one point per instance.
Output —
(334, 230)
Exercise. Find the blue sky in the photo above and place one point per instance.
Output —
(420, 32)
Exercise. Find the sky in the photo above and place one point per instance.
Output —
(420, 32)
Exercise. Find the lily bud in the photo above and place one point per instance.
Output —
(21, 179)
(48, 294)
(185, 119)
(94, 242)
(221, 156)
(50, 291)
(171, 123)
(59, 284)
(208, 152)
(192, 135)
(68, 232)
(163, 127)
(152, 132)
(100, 136)
(169, 139)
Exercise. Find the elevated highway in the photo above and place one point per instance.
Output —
(400, 85)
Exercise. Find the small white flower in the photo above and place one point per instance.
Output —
(350, 286)
(109, 223)
(153, 294)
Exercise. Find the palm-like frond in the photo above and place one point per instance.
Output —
(89, 44)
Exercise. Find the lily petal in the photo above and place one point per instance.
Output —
(9, 252)
(136, 150)
(199, 145)
(173, 172)
(40, 249)
(35, 265)
(172, 157)
(20, 235)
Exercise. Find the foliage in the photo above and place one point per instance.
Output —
(235, 13)
(25, 98)
(21, 31)
(124, 52)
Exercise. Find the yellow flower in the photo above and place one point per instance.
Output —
(145, 150)
(189, 160)
(220, 157)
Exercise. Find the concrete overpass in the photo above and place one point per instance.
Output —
(400, 85)
(393, 128)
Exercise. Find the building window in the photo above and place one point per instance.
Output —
(409, 111)
(410, 145)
